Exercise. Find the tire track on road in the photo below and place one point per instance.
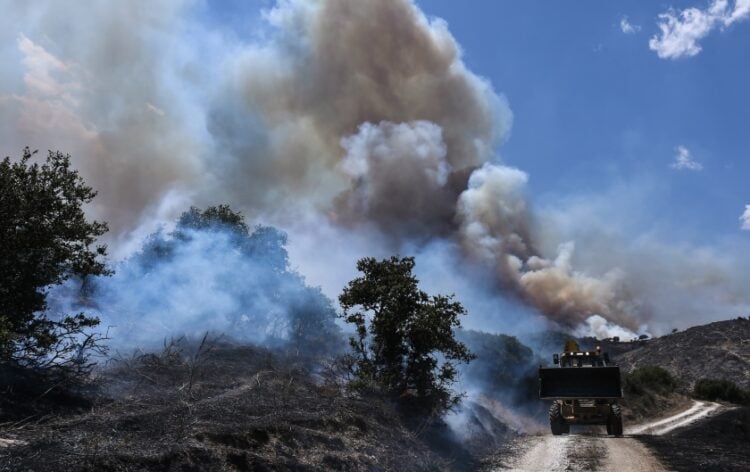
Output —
(597, 451)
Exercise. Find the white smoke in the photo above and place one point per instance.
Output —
(599, 328)
(398, 173)
(356, 126)
(492, 214)
(214, 279)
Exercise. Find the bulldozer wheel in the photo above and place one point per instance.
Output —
(614, 423)
(556, 422)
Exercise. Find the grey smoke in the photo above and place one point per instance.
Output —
(356, 126)
(99, 83)
(206, 279)
(338, 71)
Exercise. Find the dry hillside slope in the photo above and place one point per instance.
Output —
(719, 350)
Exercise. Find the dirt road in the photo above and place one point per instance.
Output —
(591, 449)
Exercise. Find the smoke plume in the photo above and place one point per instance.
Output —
(356, 123)
(207, 276)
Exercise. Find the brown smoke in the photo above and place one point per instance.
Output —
(364, 110)
(93, 87)
(374, 73)
(494, 229)
(361, 111)
(379, 80)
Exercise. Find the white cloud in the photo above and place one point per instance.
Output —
(683, 160)
(682, 31)
(745, 218)
(627, 27)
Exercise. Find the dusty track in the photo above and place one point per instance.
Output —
(593, 450)
(697, 411)
(585, 452)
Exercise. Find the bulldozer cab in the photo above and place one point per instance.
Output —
(584, 388)
(574, 357)
(582, 359)
(581, 374)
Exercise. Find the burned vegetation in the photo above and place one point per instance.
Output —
(216, 405)
(269, 384)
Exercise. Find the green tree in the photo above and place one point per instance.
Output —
(649, 379)
(213, 217)
(404, 341)
(44, 239)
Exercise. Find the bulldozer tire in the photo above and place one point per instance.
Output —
(614, 423)
(556, 422)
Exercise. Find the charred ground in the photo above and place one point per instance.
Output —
(719, 350)
(721, 443)
(233, 408)
(226, 406)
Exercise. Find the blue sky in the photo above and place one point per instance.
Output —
(594, 107)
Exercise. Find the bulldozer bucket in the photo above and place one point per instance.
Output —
(579, 382)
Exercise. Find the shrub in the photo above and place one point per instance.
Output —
(711, 389)
(649, 379)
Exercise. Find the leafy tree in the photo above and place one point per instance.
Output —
(404, 341)
(213, 217)
(45, 238)
(264, 243)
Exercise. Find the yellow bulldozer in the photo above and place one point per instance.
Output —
(584, 388)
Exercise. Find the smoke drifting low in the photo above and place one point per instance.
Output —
(360, 116)
(207, 276)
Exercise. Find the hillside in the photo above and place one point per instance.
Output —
(239, 407)
(719, 443)
(719, 350)
(233, 408)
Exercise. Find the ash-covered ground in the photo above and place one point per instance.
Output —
(719, 443)
(224, 408)
(719, 350)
